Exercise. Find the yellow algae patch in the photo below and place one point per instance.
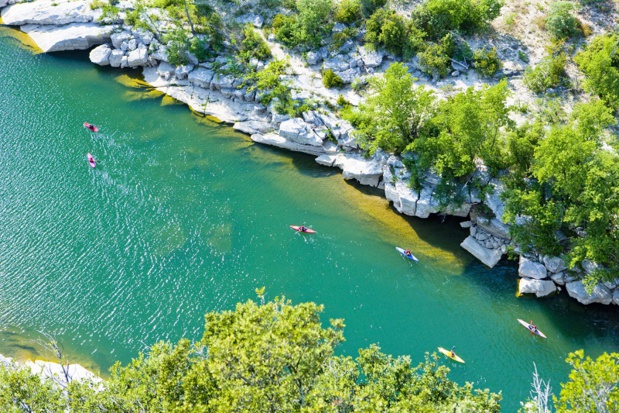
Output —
(168, 100)
(131, 95)
(202, 118)
(170, 239)
(25, 41)
(132, 82)
(220, 238)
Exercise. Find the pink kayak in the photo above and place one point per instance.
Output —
(91, 160)
(302, 229)
(91, 127)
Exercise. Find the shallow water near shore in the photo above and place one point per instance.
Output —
(182, 216)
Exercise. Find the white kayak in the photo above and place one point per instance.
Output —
(533, 329)
(410, 256)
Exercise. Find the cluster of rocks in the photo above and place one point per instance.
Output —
(543, 275)
(128, 48)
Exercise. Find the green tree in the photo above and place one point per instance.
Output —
(21, 391)
(465, 127)
(392, 115)
(593, 385)
(560, 22)
(600, 63)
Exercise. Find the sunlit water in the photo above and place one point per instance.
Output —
(182, 216)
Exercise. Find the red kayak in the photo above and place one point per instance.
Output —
(91, 127)
(302, 229)
(91, 160)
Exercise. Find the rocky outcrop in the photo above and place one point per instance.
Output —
(600, 294)
(531, 269)
(49, 12)
(354, 166)
(487, 256)
(100, 55)
(75, 36)
(274, 139)
(541, 288)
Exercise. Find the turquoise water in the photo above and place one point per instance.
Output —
(182, 216)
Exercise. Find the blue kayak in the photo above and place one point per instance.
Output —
(405, 255)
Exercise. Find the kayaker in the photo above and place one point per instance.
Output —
(452, 352)
(408, 253)
(532, 327)
(303, 229)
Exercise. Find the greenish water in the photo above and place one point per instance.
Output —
(182, 216)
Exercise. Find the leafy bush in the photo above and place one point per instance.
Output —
(330, 79)
(436, 58)
(253, 46)
(437, 17)
(348, 11)
(307, 28)
(370, 6)
(560, 23)
(395, 33)
(549, 72)
(486, 62)
(177, 44)
(600, 63)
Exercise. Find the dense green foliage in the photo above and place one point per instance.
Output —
(330, 79)
(593, 385)
(560, 23)
(274, 357)
(348, 11)
(486, 61)
(392, 115)
(600, 63)
(253, 46)
(549, 73)
(576, 190)
(308, 27)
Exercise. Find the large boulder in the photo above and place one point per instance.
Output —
(76, 36)
(404, 199)
(138, 57)
(427, 203)
(616, 297)
(48, 12)
(116, 58)
(371, 58)
(494, 227)
(554, 264)
(487, 256)
(540, 288)
(531, 269)
(297, 130)
(274, 139)
(100, 55)
(355, 166)
(600, 293)
(201, 77)
(337, 64)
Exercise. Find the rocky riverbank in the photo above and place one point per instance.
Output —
(201, 84)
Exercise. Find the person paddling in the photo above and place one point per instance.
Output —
(532, 327)
(452, 352)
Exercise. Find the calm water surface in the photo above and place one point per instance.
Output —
(182, 216)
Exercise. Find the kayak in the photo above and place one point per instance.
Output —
(530, 328)
(91, 127)
(405, 255)
(448, 354)
(298, 229)
(91, 160)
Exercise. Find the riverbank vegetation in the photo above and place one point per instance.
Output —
(276, 356)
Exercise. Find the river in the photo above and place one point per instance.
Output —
(183, 216)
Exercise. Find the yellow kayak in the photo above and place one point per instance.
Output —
(448, 354)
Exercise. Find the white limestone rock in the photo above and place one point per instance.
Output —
(337, 64)
(466, 224)
(493, 201)
(48, 12)
(589, 266)
(183, 71)
(558, 278)
(554, 264)
(494, 227)
(371, 58)
(298, 131)
(252, 127)
(100, 55)
(616, 297)
(531, 269)
(201, 77)
(600, 293)
(355, 166)
(487, 256)
(116, 57)
(55, 372)
(138, 57)
(426, 204)
(119, 38)
(541, 288)
(274, 139)
(166, 70)
(348, 75)
(75, 36)
(3, 3)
